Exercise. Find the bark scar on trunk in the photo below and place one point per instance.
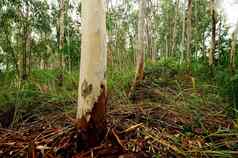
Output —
(86, 89)
(99, 109)
(98, 112)
(96, 126)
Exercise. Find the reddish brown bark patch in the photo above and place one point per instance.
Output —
(93, 131)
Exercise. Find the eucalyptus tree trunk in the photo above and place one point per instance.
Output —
(233, 51)
(149, 32)
(189, 32)
(26, 44)
(13, 53)
(141, 44)
(140, 56)
(213, 42)
(92, 84)
(61, 40)
(175, 28)
(29, 54)
(182, 44)
(219, 34)
(166, 47)
(68, 52)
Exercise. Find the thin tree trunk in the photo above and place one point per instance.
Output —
(219, 35)
(233, 50)
(30, 55)
(213, 42)
(203, 47)
(92, 85)
(68, 49)
(175, 27)
(11, 50)
(141, 44)
(24, 57)
(182, 44)
(140, 47)
(166, 47)
(26, 35)
(189, 33)
(61, 41)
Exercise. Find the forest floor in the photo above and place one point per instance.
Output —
(169, 114)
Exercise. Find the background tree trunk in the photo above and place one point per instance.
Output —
(233, 50)
(61, 41)
(182, 44)
(141, 44)
(26, 44)
(213, 43)
(189, 32)
(175, 28)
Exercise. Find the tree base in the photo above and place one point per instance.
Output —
(93, 131)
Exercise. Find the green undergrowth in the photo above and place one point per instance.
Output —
(38, 95)
(224, 83)
(166, 81)
(119, 82)
(221, 84)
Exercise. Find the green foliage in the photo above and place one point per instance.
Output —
(224, 79)
(156, 156)
(228, 85)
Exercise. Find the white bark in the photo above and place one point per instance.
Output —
(93, 56)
